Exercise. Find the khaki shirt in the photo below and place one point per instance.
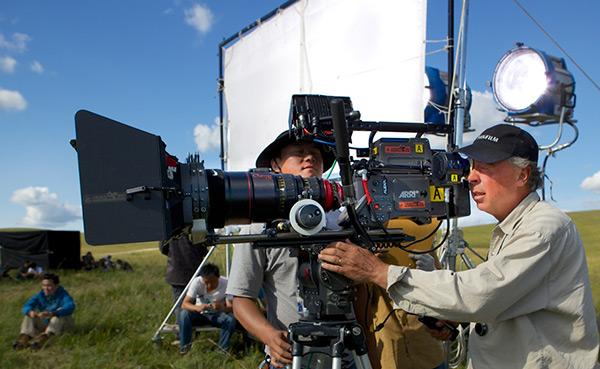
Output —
(533, 293)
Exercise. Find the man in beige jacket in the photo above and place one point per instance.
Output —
(530, 303)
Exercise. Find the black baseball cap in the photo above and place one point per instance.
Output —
(284, 139)
(501, 142)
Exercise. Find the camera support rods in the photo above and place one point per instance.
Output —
(338, 118)
(340, 128)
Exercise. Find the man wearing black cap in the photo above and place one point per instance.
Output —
(530, 302)
(273, 269)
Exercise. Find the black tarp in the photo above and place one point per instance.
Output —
(50, 249)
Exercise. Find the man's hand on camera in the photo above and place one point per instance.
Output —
(354, 262)
(424, 261)
(279, 348)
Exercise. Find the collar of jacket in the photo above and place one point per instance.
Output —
(512, 221)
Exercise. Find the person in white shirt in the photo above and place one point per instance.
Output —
(206, 303)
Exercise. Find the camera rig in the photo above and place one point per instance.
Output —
(133, 190)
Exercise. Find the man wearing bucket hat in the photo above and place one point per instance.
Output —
(303, 158)
(273, 269)
(530, 302)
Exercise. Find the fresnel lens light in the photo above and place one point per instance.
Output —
(532, 86)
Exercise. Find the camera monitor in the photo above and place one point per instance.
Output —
(122, 172)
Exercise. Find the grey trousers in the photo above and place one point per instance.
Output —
(34, 326)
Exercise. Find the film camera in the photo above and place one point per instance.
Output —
(133, 190)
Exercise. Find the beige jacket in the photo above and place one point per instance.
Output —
(533, 293)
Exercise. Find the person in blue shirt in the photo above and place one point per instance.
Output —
(47, 313)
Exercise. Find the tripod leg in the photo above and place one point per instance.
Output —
(359, 348)
(475, 252)
(297, 350)
(361, 361)
(337, 351)
(467, 261)
(444, 256)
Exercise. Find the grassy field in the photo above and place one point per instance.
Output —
(118, 312)
(117, 315)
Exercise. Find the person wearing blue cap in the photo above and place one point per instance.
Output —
(530, 303)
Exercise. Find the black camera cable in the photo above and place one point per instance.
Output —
(419, 252)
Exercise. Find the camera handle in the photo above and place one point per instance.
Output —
(342, 137)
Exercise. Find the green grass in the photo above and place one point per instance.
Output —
(117, 315)
(118, 312)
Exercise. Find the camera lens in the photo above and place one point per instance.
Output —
(248, 197)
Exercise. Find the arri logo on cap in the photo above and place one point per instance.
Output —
(488, 137)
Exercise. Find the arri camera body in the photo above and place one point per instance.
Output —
(392, 177)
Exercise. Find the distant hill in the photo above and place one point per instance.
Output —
(20, 229)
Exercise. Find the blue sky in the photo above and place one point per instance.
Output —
(153, 64)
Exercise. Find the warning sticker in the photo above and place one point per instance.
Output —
(436, 194)
(397, 149)
(411, 204)
(419, 148)
(454, 177)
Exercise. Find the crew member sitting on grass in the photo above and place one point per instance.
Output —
(47, 313)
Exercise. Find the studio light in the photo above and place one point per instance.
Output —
(532, 86)
(436, 97)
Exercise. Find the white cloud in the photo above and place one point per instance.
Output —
(207, 137)
(200, 17)
(8, 64)
(37, 67)
(484, 114)
(11, 100)
(18, 42)
(592, 183)
(43, 208)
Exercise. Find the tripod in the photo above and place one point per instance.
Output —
(338, 335)
(329, 325)
(455, 246)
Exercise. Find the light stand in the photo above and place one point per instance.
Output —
(455, 244)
